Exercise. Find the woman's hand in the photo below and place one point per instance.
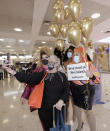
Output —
(23, 101)
(89, 74)
(8, 69)
(59, 104)
(4, 66)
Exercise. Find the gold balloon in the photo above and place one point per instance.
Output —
(101, 55)
(73, 23)
(87, 26)
(54, 29)
(103, 48)
(67, 13)
(64, 30)
(75, 9)
(59, 0)
(73, 0)
(90, 44)
(59, 4)
(84, 41)
(100, 49)
(56, 6)
(74, 35)
(60, 44)
(59, 16)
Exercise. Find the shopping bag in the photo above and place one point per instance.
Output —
(60, 126)
(27, 91)
(35, 99)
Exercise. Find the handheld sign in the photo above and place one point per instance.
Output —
(77, 71)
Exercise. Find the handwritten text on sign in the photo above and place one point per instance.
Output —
(77, 71)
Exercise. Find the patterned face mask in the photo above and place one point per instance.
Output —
(51, 66)
(44, 61)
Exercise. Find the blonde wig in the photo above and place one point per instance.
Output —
(47, 51)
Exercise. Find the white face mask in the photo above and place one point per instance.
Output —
(69, 54)
(76, 59)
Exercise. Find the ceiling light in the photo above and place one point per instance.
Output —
(101, 31)
(95, 15)
(13, 57)
(28, 56)
(8, 46)
(12, 50)
(4, 57)
(105, 40)
(48, 33)
(18, 29)
(66, 6)
(43, 42)
(10, 93)
(21, 41)
(2, 39)
(21, 57)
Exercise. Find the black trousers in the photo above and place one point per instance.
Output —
(46, 117)
(5, 74)
(1, 76)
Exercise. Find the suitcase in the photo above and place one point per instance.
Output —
(60, 125)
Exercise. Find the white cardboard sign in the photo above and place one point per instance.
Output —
(77, 71)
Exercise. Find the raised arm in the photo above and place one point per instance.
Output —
(33, 78)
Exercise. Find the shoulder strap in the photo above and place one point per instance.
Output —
(44, 77)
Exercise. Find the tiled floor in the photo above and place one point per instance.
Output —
(16, 117)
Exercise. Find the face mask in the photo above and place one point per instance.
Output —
(44, 61)
(69, 54)
(51, 66)
(76, 59)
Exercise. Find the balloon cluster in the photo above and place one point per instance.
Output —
(76, 31)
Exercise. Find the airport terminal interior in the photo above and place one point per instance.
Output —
(29, 26)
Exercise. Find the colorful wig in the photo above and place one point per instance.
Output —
(82, 54)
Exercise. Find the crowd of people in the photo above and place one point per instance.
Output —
(52, 67)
